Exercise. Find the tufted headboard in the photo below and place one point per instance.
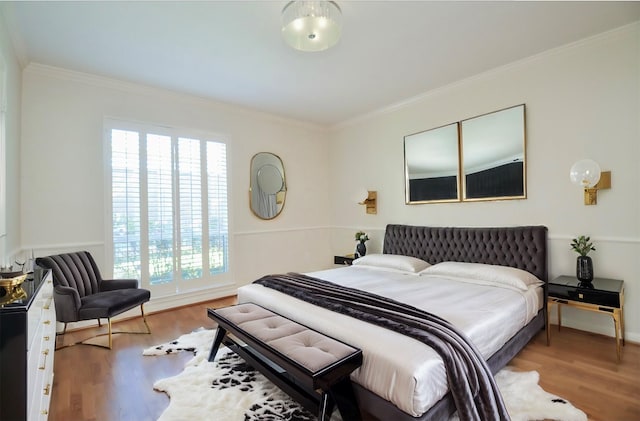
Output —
(523, 247)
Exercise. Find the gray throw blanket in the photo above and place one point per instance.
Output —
(472, 386)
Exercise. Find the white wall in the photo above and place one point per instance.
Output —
(10, 236)
(582, 101)
(63, 189)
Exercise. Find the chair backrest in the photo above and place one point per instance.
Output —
(77, 270)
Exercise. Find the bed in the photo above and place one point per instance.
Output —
(402, 379)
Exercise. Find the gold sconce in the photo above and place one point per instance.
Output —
(371, 202)
(586, 174)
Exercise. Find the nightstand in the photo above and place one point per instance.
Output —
(604, 296)
(346, 260)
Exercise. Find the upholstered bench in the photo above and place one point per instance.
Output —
(311, 367)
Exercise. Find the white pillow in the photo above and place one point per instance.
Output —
(496, 275)
(394, 262)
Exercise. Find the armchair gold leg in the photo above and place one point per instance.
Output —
(110, 337)
(144, 319)
(109, 333)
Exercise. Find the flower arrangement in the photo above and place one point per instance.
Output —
(362, 236)
(582, 245)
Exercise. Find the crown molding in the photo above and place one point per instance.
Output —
(99, 81)
(632, 27)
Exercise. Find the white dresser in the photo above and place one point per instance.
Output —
(27, 345)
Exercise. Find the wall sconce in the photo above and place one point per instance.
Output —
(586, 173)
(371, 202)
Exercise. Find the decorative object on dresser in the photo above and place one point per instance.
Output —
(584, 265)
(361, 248)
(10, 286)
(604, 296)
(81, 293)
(27, 344)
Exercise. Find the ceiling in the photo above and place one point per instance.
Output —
(232, 51)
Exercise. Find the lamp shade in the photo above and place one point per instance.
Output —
(585, 173)
(311, 25)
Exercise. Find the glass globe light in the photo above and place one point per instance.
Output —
(585, 173)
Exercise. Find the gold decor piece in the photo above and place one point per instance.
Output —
(12, 282)
(11, 289)
(371, 202)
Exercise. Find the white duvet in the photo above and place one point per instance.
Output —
(395, 367)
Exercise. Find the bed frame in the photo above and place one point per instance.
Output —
(523, 247)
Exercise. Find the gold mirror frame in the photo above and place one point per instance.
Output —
(492, 155)
(268, 187)
(478, 159)
(431, 165)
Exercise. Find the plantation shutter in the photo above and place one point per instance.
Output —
(217, 193)
(125, 192)
(169, 208)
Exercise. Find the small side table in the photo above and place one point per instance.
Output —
(346, 260)
(603, 295)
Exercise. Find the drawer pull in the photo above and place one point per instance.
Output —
(44, 363)
(47, 389)
(47, 322)
(46, 338)
(44, 412)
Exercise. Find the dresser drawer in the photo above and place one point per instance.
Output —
(27, 343)
(40, 354)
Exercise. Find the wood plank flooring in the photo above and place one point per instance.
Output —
(92, 383)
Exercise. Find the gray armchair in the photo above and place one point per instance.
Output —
(80, 293)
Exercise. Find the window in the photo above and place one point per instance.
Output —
(169, 217)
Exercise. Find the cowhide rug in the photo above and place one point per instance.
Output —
(229, 390)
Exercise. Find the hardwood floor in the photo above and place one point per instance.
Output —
(92, 383)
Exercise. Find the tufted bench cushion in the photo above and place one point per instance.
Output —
(297, 355)
(311, 349)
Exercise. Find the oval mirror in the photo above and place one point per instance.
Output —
(268, 188)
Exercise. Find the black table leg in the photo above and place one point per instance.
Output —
(344, 397)
(220, 334)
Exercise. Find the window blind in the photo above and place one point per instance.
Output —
(169, 207)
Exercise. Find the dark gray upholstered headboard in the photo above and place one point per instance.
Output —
(523, 247)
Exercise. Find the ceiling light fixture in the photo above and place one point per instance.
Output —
(311, 25)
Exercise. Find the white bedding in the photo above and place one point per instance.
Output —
(395, 367)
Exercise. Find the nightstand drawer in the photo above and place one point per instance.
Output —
(343, 260)
(585, 295)
(601, 292)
